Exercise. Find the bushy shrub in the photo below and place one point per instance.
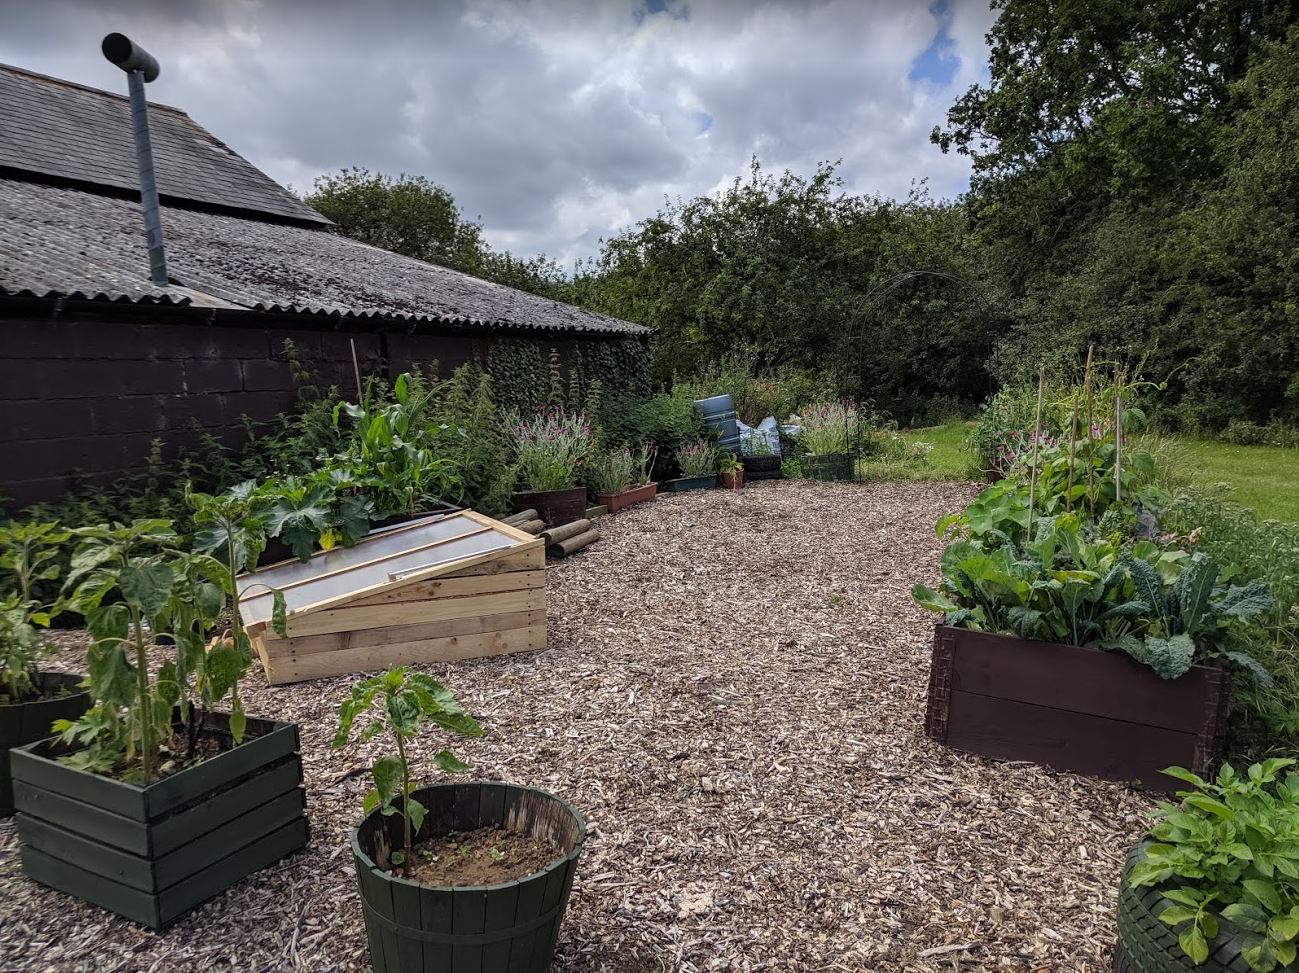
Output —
(1242, 432)
(665, 420)
(756, 396)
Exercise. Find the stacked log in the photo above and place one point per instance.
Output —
(528, 521)
(570, 538)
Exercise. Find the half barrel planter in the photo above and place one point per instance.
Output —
(555, 507)
(686, 484)
(1073, 708)
(23, 723)
(153, 853)
(509, 926)
(613, 502)
(831, 466)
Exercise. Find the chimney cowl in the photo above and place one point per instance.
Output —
(130, 56)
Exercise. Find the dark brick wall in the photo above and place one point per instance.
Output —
(85, 389)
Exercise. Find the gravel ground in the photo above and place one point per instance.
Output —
(733, 697)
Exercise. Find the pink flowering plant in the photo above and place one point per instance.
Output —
(698, 458)
(552, 449)
(826, 427)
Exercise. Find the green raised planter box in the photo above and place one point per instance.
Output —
(153, 853)
(687, 483)
(831, 466)
(22, 723)
(510, 926)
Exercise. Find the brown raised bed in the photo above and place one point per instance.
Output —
(1073, 708)
(555, 507)
(613, 502)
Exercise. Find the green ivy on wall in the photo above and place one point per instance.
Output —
(527, 373)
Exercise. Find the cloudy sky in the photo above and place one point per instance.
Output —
(554, 122)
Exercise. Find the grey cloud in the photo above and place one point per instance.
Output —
(555, 122)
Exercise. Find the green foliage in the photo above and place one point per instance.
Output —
(699, 458)
(777, 394)
(1230, 853)
(480, 445)
(612, 472)
(667, 421)
(552, 449)
(1163, 608)
(827, 428)
(400, 702)
(29, 555)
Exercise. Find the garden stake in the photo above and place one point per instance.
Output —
(1118, 446)
(1091, 446)
(356, 370)
(1073, 440)
(1037, 431)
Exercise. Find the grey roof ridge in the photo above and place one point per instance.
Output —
(5, 66)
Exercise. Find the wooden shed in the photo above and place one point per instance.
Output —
(446, 587)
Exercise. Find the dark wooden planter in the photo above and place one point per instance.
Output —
(1146, 945)
(510, 926)
(832, 466)
(687, 483)
(22, 723)
(1073, 708)
(733, 481)
(153, 853)
(613, 502)
(555, 507)
(761, 467)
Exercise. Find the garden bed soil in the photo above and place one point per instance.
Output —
(732, 827)
(482, 857)
(58, 698)
(1074, 708)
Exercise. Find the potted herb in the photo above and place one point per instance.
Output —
(552, 450)
(478, 871)
(164, 793)
(826, 429)
(1082, 654)
(732, 471)
(30, 699)
(698, 462)
(760, 460)
(1214, 886)
(621, 479)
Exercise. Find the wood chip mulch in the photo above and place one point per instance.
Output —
(733, 697)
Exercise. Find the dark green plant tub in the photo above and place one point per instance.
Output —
(509, 927)
(153, 853)
(687, 483)
(832, 466)
(1146, 945)
(22, 723)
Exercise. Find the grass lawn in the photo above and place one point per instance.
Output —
(1263, 478)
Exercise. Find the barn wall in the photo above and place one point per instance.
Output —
(85, 391)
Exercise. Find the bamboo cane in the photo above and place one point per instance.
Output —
(1073, 440)
(1091, 445)
(1037, 432)
(1118, 447)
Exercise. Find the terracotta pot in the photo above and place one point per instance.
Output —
(733, 481)
(627, 498)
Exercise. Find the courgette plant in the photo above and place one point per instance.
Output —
(399, 702)
(1230, 851)
(28, 552)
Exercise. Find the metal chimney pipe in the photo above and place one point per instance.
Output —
(141, 66)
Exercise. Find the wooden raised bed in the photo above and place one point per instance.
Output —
(153, 853)
(613, 502)
(509, 926)
(454, 587)
(22, 723)
(761, 467)
(555, 507)
(1073, 708)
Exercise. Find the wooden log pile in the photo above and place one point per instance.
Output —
(560, 541)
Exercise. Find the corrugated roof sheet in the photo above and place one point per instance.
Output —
(64, 242)
(69, 131)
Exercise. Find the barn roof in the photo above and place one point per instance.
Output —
(70, 226)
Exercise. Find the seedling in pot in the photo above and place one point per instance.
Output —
(400, 702)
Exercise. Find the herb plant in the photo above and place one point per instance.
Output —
(29, 553)
(612, 472)
(552, 448)
(698, 458)
(1230, 851)
(729, 463)
(644, 458)
(827, 427)
(399, 702)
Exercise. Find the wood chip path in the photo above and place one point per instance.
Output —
(733, 696)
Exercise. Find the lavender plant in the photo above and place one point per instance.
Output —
(552, 448)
